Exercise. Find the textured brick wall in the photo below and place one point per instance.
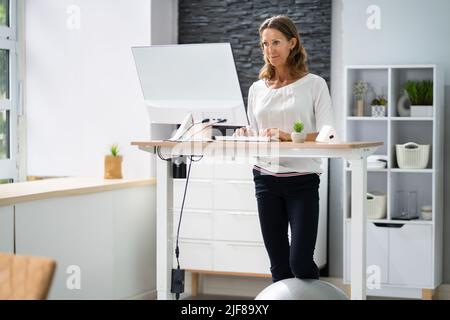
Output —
(237, 22)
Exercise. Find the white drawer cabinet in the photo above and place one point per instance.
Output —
(199, 194)
(234, 195)
(195, 225)
(241, 257)
(377, 249)
(203, 171)
(403, 252)
(236, 171)
(220, 230)
(238, 226)
(410, 255)
(195, 254)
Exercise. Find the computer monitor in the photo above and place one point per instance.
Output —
(200, 79)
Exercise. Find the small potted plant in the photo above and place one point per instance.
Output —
(420, 94)
(378, 106)
(298, 136)
(359, 90)
(113, 163)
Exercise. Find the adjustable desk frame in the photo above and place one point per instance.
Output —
(355, 152)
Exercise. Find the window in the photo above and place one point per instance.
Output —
(8, 91)
(4, 13)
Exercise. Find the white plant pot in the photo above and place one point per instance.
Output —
(378, 110)
(421, 111)
(298, 137)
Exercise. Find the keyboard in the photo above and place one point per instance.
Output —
(244, 138)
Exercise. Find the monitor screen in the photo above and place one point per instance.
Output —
(200, 79)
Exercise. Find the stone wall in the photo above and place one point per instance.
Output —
(237, 22)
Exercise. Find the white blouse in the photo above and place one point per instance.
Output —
(307, 99)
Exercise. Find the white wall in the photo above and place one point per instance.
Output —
(164, 18)
(412, 32)
(83, 93)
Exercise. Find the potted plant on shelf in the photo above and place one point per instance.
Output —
(298, 136)
(359, 90)
(378, 106)
(113, 163)
(420, 93)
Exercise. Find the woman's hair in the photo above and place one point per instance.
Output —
(297, 58)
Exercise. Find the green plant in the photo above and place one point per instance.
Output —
(420, 92)
(114, 150)
(359, 89)
(298, 126)
(379, 101)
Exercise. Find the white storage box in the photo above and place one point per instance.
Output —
(376, 205)
(421, 111)
(412, 155)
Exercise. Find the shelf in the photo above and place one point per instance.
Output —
(412, 118)
(353, 118)
(405, 250)
(371, 130)
(416, 221)
(412, 170)
(367, 118)
(371, 170)
(397, 170)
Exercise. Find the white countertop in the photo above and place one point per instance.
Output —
(43, 189)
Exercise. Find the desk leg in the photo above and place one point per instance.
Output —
(358, 228)
(164, 230)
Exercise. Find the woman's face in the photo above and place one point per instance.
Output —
(276, 46)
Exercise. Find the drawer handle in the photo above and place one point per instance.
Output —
(177, 212)
(192, 242)
(246, 245)
(243, 214)
(238, 181)
(389, 225)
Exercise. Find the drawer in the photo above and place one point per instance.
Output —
(195, 254)
(203, 169)
(237, 226)
(377, 250)
(235, 195)
(237, 170)
(241, 257)
(195, 224)
(199, 194)
(410, 255)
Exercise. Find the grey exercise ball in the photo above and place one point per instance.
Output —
(301, 289)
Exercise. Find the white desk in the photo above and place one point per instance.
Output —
(355, 152)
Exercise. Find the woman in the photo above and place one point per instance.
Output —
(287, 189)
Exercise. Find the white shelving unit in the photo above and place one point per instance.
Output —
(409, 253)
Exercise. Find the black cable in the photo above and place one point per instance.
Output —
(177, 249)
(158, 151)
(192, 158)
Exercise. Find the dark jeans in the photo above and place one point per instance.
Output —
(294, 201)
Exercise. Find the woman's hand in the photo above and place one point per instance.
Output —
(277, 134)
(244, 131)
